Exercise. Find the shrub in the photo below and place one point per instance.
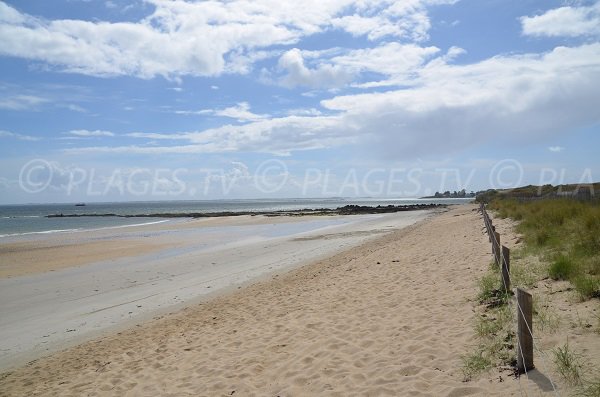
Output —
(587, 286)
(562, 268)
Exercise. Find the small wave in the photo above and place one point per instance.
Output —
(42, 232)
(122, 226)
(82, 230)
(20, 216)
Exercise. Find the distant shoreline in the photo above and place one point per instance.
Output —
(345, 210)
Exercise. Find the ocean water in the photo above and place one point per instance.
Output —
(28, 219)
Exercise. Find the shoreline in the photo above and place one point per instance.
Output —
(45, 311)
(64, 221)
(390, 315)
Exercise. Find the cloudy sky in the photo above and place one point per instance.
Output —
(106, 100)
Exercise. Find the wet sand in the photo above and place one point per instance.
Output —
(25, 258)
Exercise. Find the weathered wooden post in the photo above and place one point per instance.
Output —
(505, 268)
(497, 250)
(524, 331)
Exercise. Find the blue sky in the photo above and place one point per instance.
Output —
(156, 99)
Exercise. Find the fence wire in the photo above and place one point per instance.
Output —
(503, 261)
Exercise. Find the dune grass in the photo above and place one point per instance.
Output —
(493, 327)
(563, 232)
(474, 364)
(568, 364)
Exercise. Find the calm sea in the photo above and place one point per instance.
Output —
(31, 218)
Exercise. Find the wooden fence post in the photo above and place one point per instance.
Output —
(524, 331)
(497, 250)
(505, 268)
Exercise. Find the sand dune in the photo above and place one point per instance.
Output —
(391, 317)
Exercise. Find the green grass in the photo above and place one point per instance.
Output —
(474, 364)
(493, 323)
(526, 270)
(489, 285)
(587, 287)
(563, 268)
(491, 288)
(568, 364)
(563, 232)
(493, 327)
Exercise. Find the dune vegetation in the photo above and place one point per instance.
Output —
(556, 238)
(564, 233)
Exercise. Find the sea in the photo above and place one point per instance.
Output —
(32, 219)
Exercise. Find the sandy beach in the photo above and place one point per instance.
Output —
(67, 288)
(390, 316)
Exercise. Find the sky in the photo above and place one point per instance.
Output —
(114, 100)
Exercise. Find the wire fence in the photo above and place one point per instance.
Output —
(520, 304)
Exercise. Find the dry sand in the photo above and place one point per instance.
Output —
(391, 317)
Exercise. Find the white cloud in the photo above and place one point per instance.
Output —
(507, 98)
(194, 112)
(157, 136)
(400, 63)
(296, 73)
(513, 98)
(278, 136)
(377, 27)
(564, 21)
(389, 58)
(241, 112)
(200, 38)
(304, 112)
(401, 19)
(75, 108)
(8, 134)
(21, 102)
(556, 149)
(88, 133)
(397, 63)
(10, 15)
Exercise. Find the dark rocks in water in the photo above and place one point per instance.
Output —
(365, 209)
(350, 209)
